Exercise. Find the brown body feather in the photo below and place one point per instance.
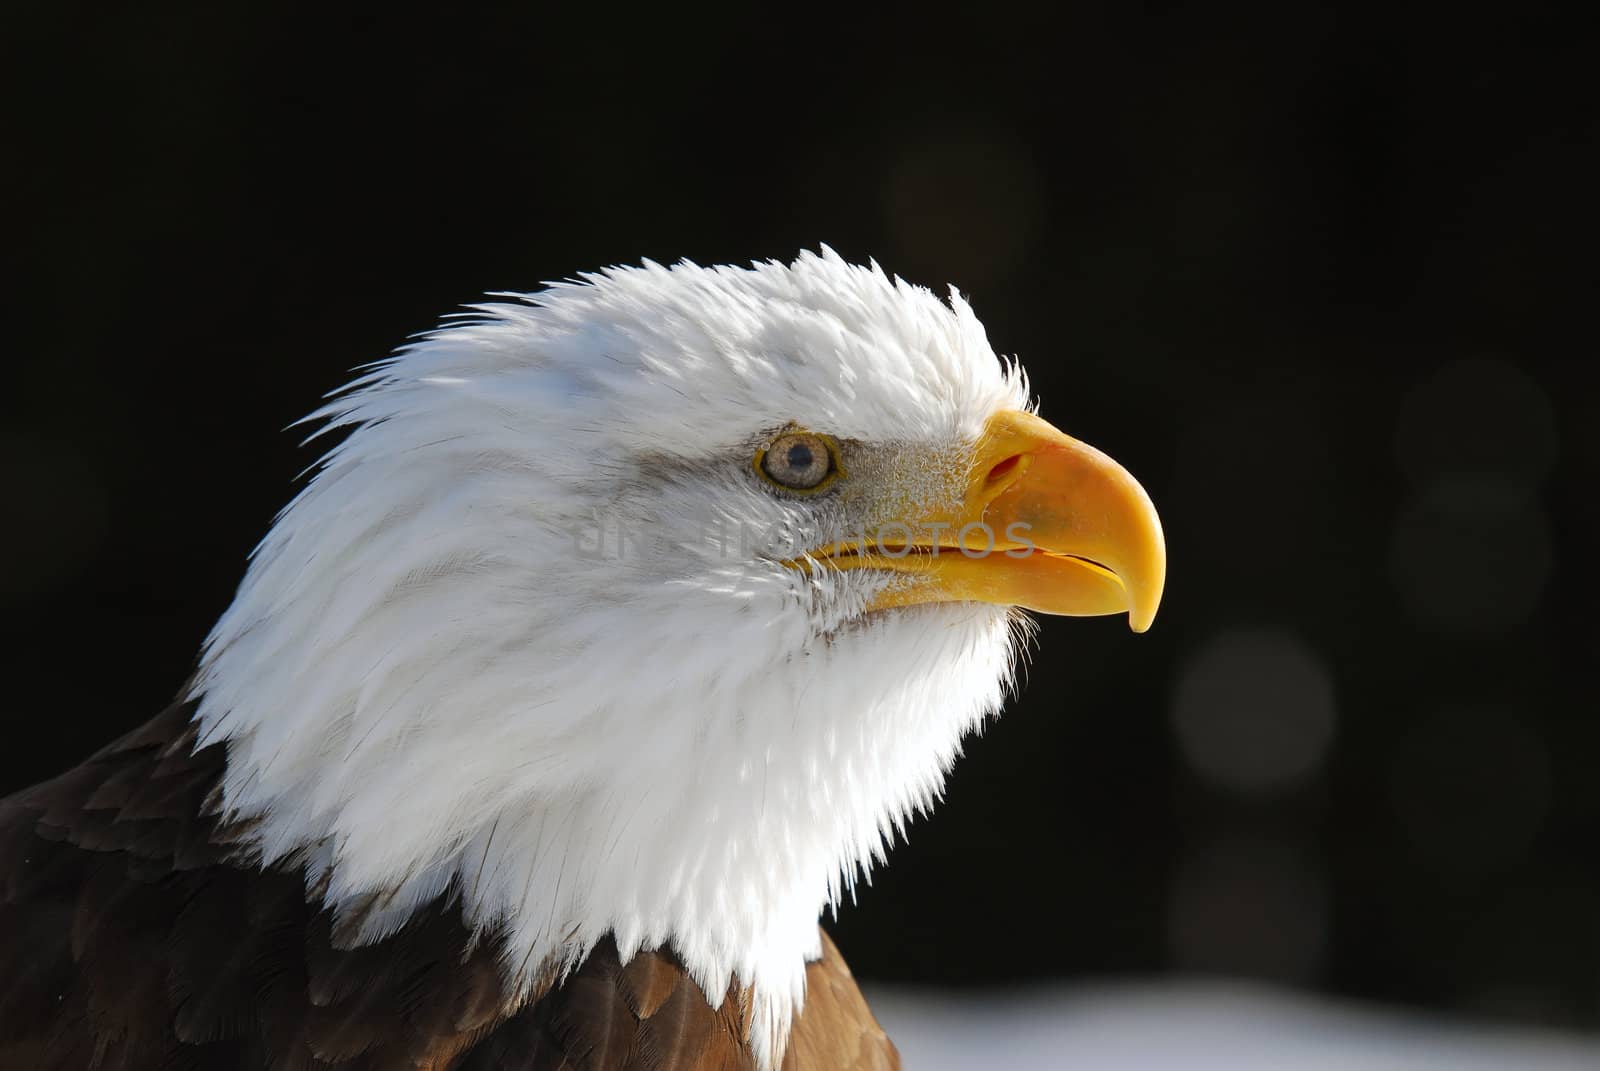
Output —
(130, 940)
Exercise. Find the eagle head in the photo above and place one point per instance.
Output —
(652, 605)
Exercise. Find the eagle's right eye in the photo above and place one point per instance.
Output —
(799, 461)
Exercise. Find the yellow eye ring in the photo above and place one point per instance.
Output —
(799, 462)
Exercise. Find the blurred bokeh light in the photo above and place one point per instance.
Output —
(1254, 711)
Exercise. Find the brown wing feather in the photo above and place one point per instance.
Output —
(131, 939)
(836, 1029)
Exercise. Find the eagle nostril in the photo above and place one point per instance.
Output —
(1003, 469)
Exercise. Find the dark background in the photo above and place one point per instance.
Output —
(1323, 282)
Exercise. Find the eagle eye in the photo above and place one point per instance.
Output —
(799, 461)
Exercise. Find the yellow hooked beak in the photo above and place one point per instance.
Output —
(1046, 523)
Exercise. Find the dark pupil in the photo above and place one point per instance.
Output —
(800, 457)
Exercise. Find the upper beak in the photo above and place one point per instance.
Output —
(1046, 523)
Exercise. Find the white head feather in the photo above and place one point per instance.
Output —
(437, 676)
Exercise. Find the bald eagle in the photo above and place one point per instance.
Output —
(621, 630)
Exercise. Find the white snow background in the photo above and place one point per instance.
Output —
(1200, 1026)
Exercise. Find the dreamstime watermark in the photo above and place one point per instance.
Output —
(613, 539)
